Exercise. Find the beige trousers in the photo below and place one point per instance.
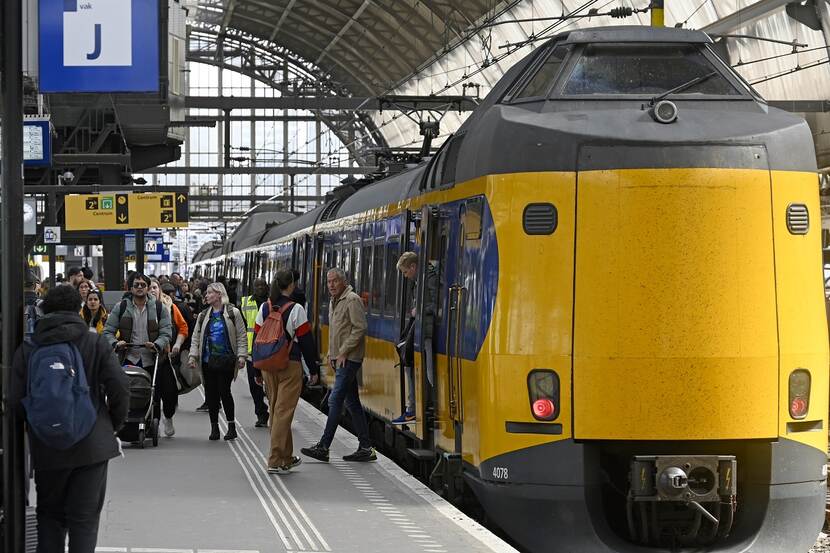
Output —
(283, 389)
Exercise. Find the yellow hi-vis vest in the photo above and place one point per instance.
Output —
(249, 311)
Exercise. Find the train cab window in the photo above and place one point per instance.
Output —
(538, 85)
(645, 69)
(390, 295)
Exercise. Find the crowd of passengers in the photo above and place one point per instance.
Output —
(194, 331)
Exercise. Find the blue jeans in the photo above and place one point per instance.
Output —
(345, 391)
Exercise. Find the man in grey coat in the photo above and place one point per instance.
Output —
(347, 346)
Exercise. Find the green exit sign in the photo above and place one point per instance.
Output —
(39, 249)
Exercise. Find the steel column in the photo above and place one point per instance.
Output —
(139, 251)
(52, 220)
(11, 261)
(318, 129)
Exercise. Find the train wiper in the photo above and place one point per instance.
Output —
(684, 86)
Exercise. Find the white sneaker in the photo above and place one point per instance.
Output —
(169, 430)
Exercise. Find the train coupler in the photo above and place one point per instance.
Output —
(687, 500)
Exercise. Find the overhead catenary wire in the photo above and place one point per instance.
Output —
(697, 9)
(545, 33)
(797, 69)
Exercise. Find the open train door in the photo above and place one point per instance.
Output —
(437, 390)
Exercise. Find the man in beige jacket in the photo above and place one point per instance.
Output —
(347, 345)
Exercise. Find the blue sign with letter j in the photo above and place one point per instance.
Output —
(99, 46)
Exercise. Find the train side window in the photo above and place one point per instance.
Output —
(355, 276)
(451, 161)
(390, 295)
(471, 218)
(345, 255)
(353, 265)
(366, 274)
(377, 279)
(436, 169)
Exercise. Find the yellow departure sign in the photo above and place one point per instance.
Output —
(108, 211)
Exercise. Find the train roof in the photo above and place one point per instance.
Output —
(208, 250)
(634, 33)
(305, 220)
(251, 231)
(387, 191)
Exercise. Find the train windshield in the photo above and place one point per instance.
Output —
(645, 69)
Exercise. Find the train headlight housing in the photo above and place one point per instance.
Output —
(543, 393)
(664, 111)
(799, 393)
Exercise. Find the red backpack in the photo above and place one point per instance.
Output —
(272, 345)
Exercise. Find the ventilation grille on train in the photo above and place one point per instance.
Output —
(540, 219)
(798, 219)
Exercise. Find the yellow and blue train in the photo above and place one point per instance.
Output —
(630, 350)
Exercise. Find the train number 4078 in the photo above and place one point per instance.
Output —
(500, 473)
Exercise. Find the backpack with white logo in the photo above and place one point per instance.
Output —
(272, 345)
(58, 405)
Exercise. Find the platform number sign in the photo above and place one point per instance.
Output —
(99, 45)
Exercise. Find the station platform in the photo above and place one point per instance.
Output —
(191, 495)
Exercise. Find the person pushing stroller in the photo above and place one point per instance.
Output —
(139, 319)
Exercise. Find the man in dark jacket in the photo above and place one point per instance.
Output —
(71, 483)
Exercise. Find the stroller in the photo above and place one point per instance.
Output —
(140, 423)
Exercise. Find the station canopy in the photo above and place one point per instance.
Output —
(369, 48)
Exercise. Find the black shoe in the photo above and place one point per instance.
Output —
(214, 432)
(203, 408)
(362, 455)
(317, 451)
(261, 422)
(282, 469)
(231, 435)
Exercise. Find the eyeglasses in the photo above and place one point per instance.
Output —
(139, 285)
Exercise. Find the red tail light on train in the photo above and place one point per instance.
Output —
(799, 388)
(543, 392)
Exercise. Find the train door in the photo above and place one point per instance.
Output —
(435, 405)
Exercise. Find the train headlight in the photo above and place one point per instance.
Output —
(664, 111)
(543, 392)
(799, 393)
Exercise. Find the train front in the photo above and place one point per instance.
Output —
(695, 407)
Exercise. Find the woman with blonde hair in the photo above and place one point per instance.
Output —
(94, 312)
(219, 348)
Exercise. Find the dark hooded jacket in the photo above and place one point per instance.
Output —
(107, 383)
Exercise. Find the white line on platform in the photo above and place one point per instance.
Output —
(383, 464)
(227, 551)
(158, 550)
(297, 508)
(268, 487)
(168, 550)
